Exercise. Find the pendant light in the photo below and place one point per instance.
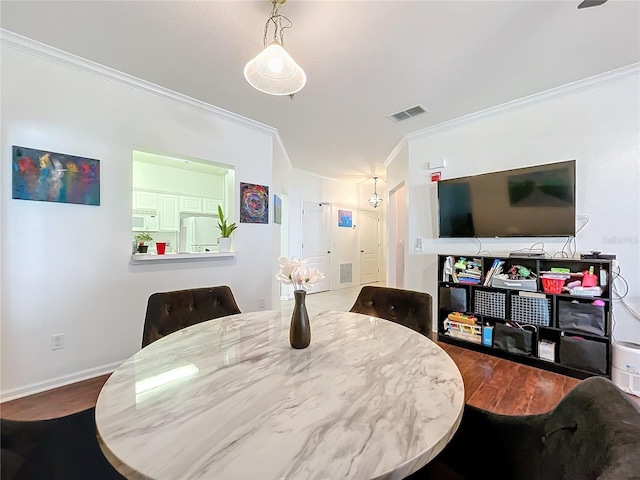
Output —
(375, 200)
(273, 71)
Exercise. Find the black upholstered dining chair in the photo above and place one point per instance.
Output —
(406, 307)
(593, 433)
(64, 448)
(168, 312)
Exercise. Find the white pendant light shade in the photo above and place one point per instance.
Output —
(273, 71)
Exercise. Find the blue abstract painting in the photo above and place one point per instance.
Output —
(345, 218)
(277, 210)
(55, 177)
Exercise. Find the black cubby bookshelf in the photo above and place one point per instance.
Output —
(579, 330)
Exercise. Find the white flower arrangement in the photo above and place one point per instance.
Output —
(296, 272)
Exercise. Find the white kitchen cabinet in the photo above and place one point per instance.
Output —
(168, 212)
(190, 204)
(145, 200)
(210, 205)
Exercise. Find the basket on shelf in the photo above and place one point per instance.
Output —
(553, 284)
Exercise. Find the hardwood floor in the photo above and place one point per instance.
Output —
(506, 387)
(55, 403)
(491, 383)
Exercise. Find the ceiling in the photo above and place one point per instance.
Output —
(364, 60)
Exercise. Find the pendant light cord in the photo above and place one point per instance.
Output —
(276, 19)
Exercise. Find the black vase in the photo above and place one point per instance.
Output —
(143, 248)
(300, 330)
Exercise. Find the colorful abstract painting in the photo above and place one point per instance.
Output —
(345, 218)
(55, 177)
(277, 210)
(254, 203)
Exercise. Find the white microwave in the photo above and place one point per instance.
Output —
(144, 222)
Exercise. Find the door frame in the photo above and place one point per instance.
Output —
(327, 274)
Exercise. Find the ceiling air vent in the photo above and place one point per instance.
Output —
(408, 113)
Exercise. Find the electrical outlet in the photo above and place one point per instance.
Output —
(57, 341)
(261, 302)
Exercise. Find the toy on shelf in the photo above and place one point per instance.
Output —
(462, 318)
(562, 280)
(463, 331)
(462, 270)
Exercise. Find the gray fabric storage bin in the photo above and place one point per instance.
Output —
(453, 298)
(577, 352)
(581, 318)
(513, 339)
(530, 285)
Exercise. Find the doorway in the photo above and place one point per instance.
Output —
(369, 246)
(316, 241)
(396, 224)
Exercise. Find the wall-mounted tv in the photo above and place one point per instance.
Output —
(534, 201)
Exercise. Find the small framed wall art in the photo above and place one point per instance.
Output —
(54, 177)
(345, 218)
(254, 203)
(277, 209)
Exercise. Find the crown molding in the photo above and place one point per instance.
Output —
(33, 47)
(397, 149)
(278, 142)
(569, 88)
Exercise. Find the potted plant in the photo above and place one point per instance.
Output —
(226, 229)
(140, 238)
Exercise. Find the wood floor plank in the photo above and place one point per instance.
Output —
(473, 379)
(55, 403)
(486, 397)
(503, 374)
(514, 401)
(544, 400)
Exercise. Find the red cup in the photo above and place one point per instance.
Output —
(160, 247)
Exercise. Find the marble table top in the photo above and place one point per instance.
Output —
(230, 399)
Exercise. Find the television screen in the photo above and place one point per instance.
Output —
(526, 202)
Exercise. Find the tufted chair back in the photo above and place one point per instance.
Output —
(168, 312)
(593, 433)
(406, 307)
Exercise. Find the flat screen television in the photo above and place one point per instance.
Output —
(534, 201)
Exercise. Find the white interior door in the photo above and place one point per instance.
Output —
(316, 241)
(369, 246)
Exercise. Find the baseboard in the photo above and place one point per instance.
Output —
(33, 388)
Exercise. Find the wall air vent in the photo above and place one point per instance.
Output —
(408, 113)
(346, 273)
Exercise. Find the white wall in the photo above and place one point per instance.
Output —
(280, 186)
(66, 268)
(596, 123)
(397, 220)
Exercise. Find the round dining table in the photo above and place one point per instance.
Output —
(231, 399)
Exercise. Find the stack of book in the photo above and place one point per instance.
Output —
(496, 269)
(471, 273)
